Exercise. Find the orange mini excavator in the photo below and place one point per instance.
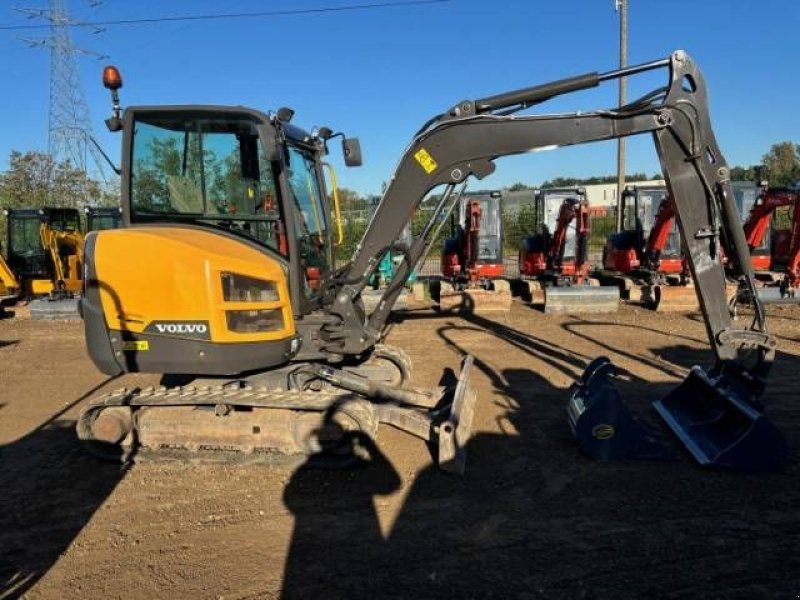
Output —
(649, 270)
(556, 264)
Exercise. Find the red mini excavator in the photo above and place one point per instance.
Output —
(560, 276)
(472, 260)
(755, 229)
(653, 270)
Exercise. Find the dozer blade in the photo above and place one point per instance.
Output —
(670, 298)
(61, 309)
(602, 424)
(710, 417)
(581, 299)
(476, 300)
(777, 295)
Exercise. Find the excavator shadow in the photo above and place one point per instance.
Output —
(50, 490)
(535, 518)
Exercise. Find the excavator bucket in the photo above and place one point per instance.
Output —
(670, 298)
(710, 417)
(581, 299)
(603, 425)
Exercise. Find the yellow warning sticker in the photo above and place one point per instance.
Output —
(137, 346)
(425, 160)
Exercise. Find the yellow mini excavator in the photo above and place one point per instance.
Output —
(222, 276)
(44, 248)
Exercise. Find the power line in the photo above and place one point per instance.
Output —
(220, 16)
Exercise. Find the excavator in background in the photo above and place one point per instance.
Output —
(392, 258)
(43, 248)
(386, 268)
(472, 257)
(284, 368)
(778, 287)
(645, 259)
(102, 217)
(554, 262)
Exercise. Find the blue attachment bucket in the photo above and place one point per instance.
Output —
(603, 425)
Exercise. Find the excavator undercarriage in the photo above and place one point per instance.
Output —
(247, 291)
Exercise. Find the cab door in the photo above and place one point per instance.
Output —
(311, 216)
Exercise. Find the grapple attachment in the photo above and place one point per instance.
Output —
(712, 418)
(602, 424)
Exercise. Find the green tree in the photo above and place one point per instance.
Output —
(745, 173)
(782, 164)
(28, 181)
(34, 180)
(519, 186)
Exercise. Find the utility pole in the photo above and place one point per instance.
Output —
(621, 7)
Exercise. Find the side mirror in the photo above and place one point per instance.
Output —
(351, 148)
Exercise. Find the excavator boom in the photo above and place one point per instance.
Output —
(465, 141)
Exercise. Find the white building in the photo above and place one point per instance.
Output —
(605, 194)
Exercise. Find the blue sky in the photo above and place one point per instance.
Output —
(379, 74)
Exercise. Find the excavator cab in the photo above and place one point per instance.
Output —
(472, 256)
(485, 259)
(746, 194)
(102, 217)
(624, 251)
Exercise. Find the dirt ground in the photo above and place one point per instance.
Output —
(532, 518)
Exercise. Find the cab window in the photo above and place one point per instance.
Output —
(207, 170)
(310, 217)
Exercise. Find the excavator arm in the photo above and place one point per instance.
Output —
(714, 413)
(572, 209)
(65, 279)
(468, 138)
(659, 234)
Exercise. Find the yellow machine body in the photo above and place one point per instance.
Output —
(176, 274)
(187, 300)
(9, 286)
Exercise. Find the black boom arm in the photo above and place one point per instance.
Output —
(466, 140)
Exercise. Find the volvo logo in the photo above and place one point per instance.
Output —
(186, 329)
